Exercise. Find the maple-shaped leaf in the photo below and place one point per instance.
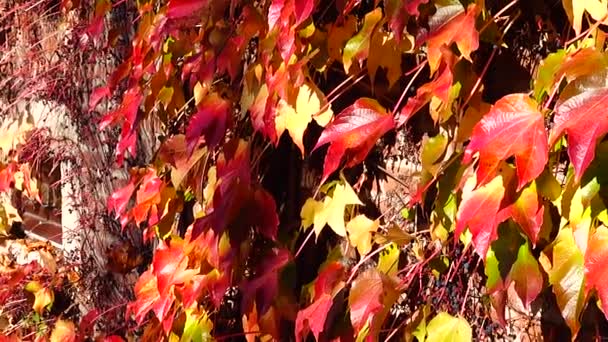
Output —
(526, 274)
(148, 298)
(445, 327)
(571, 65)
(386, 54)
(354, 132)
(582, 119)
(478, 211)
(566, 275)
(513, 127)
(338, 34)
(64, 331)
(330, 211)
(451, 24)
(528, 212)
(596, 272)
(170, 266)
(360, 230)
(296, 117)
(358, 46)
(285, 16)
(147, 198)
(575, 9)
(210, 121)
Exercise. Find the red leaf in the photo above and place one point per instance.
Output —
(146, 294)
(148, 196)
(126, 111)
(87, 322)
(513, 127)
(439, 87)
(354, 131)
(328, 278)
(451, 25)
(210, 121)
(596, 259)
(528, 212)
(119, 199)
(185, 8)
(365, 298)
(98, 94)
(478, 211)
(313, 317)
(583, 119)
(170, 266)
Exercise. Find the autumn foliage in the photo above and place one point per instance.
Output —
(507, 203)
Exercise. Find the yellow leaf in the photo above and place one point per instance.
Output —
(13, 132)
(64, 331)
(330, 211)
(311, 101)
(295, 118)
(339, 35)
(575, 9)
(43, 297)
(343, 195)
(386, 55)
(360, 231)
(199, 93)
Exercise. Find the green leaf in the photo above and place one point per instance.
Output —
(197, 327)
(444, 328)
(432, 150)
(526, 275)
(358, 46)
(545, 77)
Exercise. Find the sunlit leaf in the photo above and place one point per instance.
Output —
(478, 211)
(513, 127)
(581, 118)
(445, 327)
(596, 259)
(64, 331)
(360, 230)
(566, 275)
(357, 48)
(354, 132)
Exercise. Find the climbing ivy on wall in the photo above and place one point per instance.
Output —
(509, 193)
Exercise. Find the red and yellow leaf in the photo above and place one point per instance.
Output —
(513, 127)
(478, 211)
(354, 132)
(596, 259)
(582, 118)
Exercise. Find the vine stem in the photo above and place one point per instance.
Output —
(480, 77)
(363, 260)
(409, 85)
(466, 294)
(312, 230)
